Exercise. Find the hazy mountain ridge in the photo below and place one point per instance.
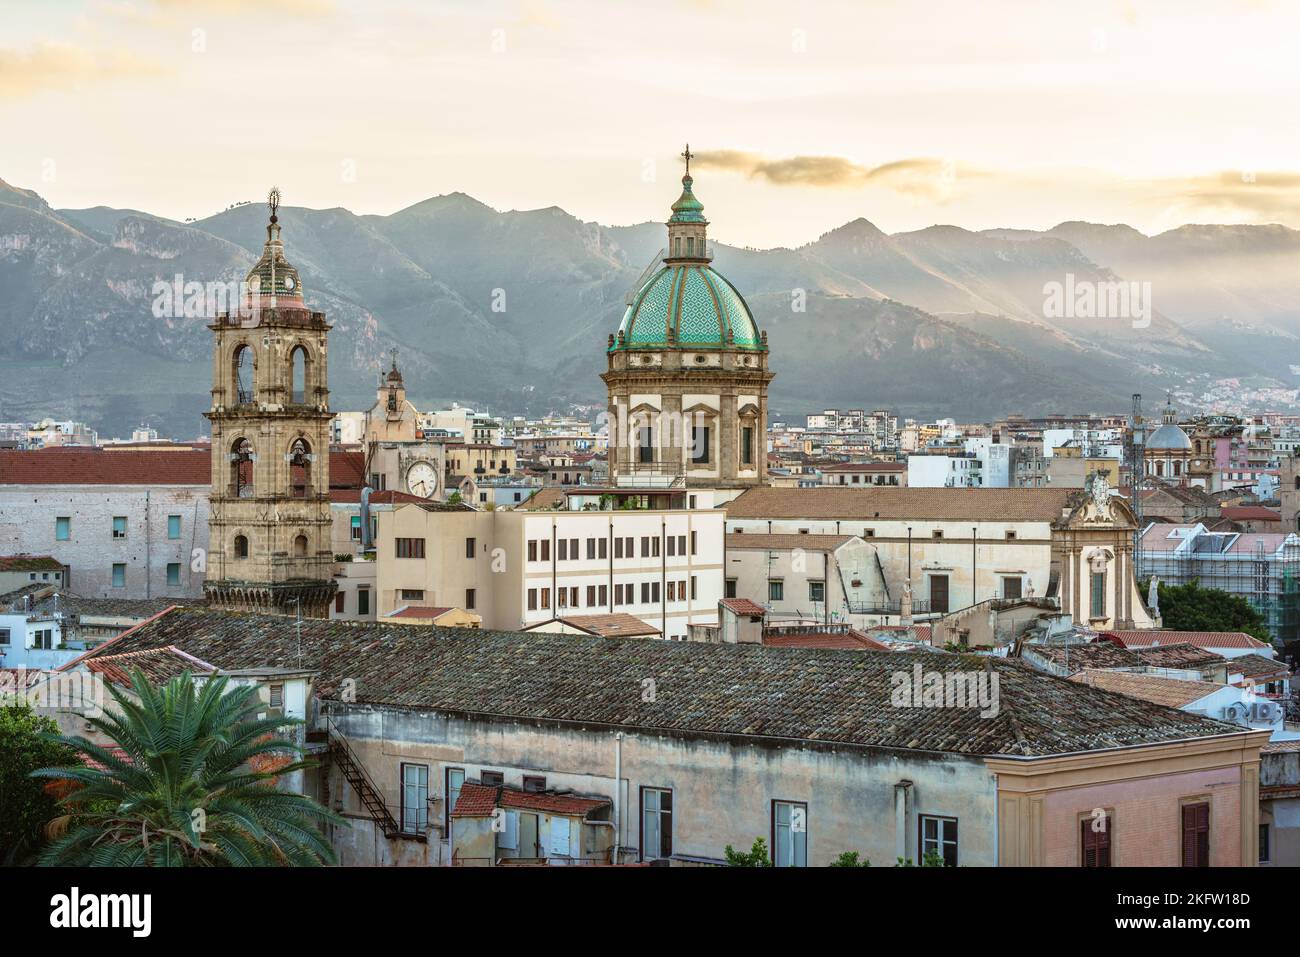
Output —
(514, 309)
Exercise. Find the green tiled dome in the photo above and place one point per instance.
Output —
(688, 305)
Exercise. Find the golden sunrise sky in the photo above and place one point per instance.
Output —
(805, 115)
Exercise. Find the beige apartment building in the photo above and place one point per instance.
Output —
(517, 569)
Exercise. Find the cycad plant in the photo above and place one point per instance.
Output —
(192, 785)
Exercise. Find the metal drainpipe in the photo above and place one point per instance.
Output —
(148, 565)
(663, 577)
(618, 795)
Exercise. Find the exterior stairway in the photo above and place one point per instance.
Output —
(372, 799)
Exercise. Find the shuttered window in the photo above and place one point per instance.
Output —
(1196, 835)
(1095, 843)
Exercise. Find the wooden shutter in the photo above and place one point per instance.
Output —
(1196, 835)
(1096, 844)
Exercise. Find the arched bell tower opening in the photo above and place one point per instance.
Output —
(269, 519)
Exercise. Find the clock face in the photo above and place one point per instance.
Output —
(422, 480)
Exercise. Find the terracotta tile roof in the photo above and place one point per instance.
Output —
(1169, 692)
(888, 502)
(62, 466)
(831, 640)
(546, 499)
(1201, 639)
(475, 800)
(1081, 656)
(775, 543)
(29, 563)
(1258, 668)
(1256, 513)
(838, 698)
(1178, 655)
(418, 611)
(616, 625)
(1290, 744)
(743, 606)
(97, 467)
(866, 467)
(480, 800)
(349, 496)
(82, 607)
(159, 665)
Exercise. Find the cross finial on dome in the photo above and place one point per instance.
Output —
(687, 155)
(273, 201)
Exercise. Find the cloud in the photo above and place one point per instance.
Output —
(1238, 196)
(924, 178)
(58, 66)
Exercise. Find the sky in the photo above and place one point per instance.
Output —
(803, 116)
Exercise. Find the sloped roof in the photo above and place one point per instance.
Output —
(159, 665)
(890, 502)
(480, 800)
(29, 563)
(743, 606)
(1257, 667)
(615, 625)
(744, 690)
(1201, 639)
(81, 466)
(765, 542)
(1170, 692)
(852, 640)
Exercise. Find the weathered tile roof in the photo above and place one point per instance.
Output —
(81, 466)
(889, 502)
(480, 800)
(853, 640)
(616, 625)
(82, 606)
(419, 611)
(159, 665)
(828, 697)
(1106, 654)
(1170, 692)
(1181, 654)
(775, 543)
(743, 606)
(1257, 667)
(1201, 639)
(29, 563)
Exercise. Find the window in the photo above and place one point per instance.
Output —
(645, 446)
(4, 636)
(356, 528)
(775, 590)
(363, 601)
(645, 593)
(546, 598)
(173, 573)
(412, 594)
(534, 783)
(63, 528)
(937, 533)
(563, 548)
(672, 546)
(340, 603)
(119, 575)
(618, 548)
(817, 591)
(1265, 854)
(700, 445)
(573, 549)
(645, 545)
(672, 591)
(276, 696)
(532, 550)
(618, 594)
(469, 599)
(455, 779)
(573, 596)
(591, 549)
(119, 526)
(241, 546)
(604, 595)
(1011, 536)
(939, 594)
(747, 445)
(492, 779)
(681, 545)
(532, 599)
(629, 546)
(603, 548)
(1196, 835)
(591, 596)
(470, 548)
(410, 547)
(546, 549)
(939, 836)
(694, 543)
(1095, 841)
(1098, 604)
(1011, 587)
(173, 527)
(729, 588)
(693, 588)
(789, 834)
(868, 533)
(656, 824)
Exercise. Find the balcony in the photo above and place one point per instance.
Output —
(651, 473)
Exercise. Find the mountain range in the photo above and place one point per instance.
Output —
(512, 310)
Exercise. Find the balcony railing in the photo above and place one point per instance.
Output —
(652, 473)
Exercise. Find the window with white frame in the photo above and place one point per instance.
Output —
(415, 798)
(789, 834)
(939, 836)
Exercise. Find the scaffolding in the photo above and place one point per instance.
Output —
(1267, 577)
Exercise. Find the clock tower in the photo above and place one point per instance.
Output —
(269, 522)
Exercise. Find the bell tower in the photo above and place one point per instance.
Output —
(269, 518)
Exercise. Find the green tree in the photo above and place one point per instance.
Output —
(1191, 607)
(196, 786)
(756, 856)
(26, 804)
(850, 859)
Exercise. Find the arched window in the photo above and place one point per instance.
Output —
(298, 376)
(300, 459)
(300, 546)
(245, 377)
(241, 468)
(241, 546)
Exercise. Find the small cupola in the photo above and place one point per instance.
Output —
(687, 227)
(272, 277)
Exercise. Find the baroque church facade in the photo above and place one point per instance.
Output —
(687, 373)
